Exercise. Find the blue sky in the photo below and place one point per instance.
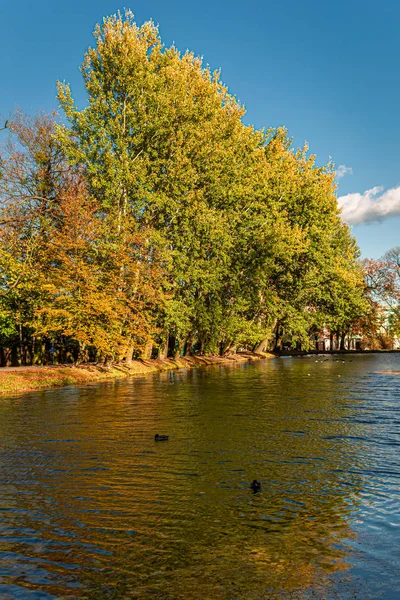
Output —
(328, 71)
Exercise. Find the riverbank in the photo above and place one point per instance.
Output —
(26, 379)
(332, 352)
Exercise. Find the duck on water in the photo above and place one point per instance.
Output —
(255, 486)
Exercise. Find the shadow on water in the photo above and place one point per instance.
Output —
(91, 507)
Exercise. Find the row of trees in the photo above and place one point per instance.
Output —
(156, 222)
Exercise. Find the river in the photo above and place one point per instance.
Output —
(92, 507)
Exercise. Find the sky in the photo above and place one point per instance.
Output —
(328, 71)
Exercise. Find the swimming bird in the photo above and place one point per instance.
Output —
(255, 486)
(161, 438)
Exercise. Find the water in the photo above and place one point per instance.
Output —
(91, 507)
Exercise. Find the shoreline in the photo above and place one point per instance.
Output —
(331, 352)
(29, 379)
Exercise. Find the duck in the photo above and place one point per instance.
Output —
(161, 438)
(255, 486)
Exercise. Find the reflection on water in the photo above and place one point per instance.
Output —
(91, 507)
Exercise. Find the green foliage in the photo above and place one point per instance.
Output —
(158, 215)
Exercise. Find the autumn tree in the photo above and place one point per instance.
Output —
(382, 277)
(60, 265)
(32, 173)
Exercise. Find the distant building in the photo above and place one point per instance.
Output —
(325, 342)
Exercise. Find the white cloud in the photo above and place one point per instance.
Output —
(372, 205)
(342, 170)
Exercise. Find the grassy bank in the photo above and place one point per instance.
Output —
(25, 379)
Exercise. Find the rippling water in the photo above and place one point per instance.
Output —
(91, 507)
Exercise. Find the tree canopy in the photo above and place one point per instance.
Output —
(155, 220)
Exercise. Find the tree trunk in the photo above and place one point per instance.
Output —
(349, 340)
(179, 351)
(82, 354)
(148, 349)
(188, 345)
(337, 340)
(163, 349)
(21, 346)
(129, 354)
(262, 345)
(342, 340)
(201, 349)
(14, 356)
(278, 338)
(7, 357)
(224, 348)
(171, 346)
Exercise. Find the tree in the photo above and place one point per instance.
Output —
(162, 142)
(382, 277)
(60, 265)
(32, 173)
